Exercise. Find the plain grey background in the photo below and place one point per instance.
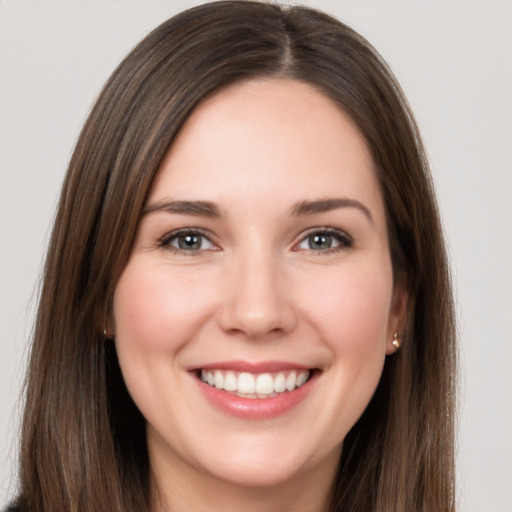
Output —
(454, 61)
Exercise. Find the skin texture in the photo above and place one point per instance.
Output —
(257, 289)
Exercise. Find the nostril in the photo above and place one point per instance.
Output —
(255, 304)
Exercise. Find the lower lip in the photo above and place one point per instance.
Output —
(256, 408)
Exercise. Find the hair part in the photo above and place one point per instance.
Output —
(83, 439)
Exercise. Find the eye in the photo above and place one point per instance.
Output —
(326, 240)
(187, 241)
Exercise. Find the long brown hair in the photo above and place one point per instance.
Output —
(83, 442)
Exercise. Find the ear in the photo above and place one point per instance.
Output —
(108, 330)
(107, 326)
(397, 318)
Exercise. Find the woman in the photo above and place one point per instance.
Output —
(246, 299)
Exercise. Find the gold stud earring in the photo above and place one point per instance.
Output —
(396, 340)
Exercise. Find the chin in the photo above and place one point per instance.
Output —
(266, 461)
(258, 474)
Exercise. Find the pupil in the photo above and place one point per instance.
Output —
(188, 242)
(320, 241)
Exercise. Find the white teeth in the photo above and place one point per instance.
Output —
(264, 384)
(302, 377)
(247, 385)
(218, 379)
(252, 396)
(290, 381)
(230, 382)
(280, 383)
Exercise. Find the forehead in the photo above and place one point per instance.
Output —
(264, 138)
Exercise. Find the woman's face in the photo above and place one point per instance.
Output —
(261, 266)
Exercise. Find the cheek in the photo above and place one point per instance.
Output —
(155, 310)
(349, 311)
(352, 311)
(356, 332)
(156, 314)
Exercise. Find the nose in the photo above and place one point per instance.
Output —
(257, 299)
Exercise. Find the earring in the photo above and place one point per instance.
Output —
(107, 336)
(396, 340)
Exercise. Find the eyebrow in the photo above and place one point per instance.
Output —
(324, 205)
(196, 208)
(212, 210)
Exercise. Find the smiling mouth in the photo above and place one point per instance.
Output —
(255, 386)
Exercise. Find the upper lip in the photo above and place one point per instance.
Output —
(252, 366)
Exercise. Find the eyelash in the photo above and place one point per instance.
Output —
(343, 241)
(166, 240)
